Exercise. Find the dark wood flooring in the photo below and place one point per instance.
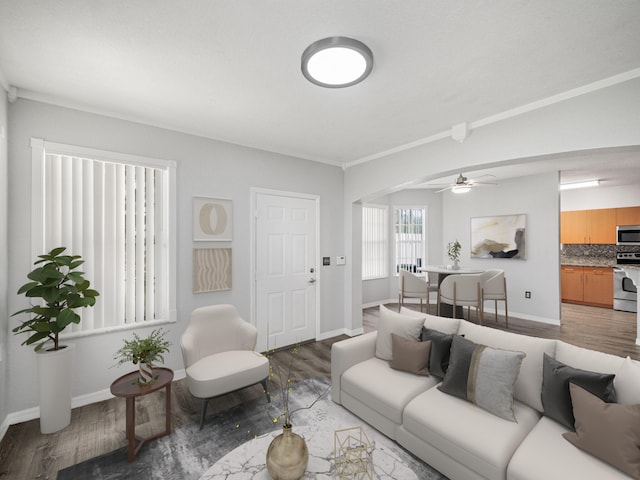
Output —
(98, 428)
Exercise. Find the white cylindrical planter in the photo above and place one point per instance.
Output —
(55, 376)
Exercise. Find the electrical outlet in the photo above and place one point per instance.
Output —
(527, 294)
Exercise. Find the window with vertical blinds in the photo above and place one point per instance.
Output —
(115, 211)
(409, 231)
(375, 242)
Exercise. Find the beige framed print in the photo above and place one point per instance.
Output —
(501, 236)
(212, 219)
(212, 270)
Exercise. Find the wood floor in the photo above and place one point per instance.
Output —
(98, 428)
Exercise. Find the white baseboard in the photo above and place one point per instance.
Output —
(79, 401)
(341, 331)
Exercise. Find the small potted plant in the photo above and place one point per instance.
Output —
(144, 352)
(58, 289)
(453, 251)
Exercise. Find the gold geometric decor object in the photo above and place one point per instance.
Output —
(353, 454)
(211, 269)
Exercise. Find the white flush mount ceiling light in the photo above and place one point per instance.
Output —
(586, 184)
(460, 188)
(337, 62)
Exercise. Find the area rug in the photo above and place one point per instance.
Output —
(188, 452)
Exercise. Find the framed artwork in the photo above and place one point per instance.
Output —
(501, 236)
(212, 219)
(211, 269)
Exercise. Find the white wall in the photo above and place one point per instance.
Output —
(4, 321)
(205, 167)
(538, 198)
(600, 197)
(607, 118)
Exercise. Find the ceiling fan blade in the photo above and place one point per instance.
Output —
(445, 189)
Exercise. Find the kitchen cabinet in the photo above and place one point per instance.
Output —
(587, 285)
(588, 226)
(628, 216)
(572, 284)
(598, 286)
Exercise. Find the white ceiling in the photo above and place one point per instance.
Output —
(230, 70)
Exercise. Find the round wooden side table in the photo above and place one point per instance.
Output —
(127, 387)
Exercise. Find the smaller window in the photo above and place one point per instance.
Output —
(375, 242)
(409, 230)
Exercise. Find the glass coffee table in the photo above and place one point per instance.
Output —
(248, 461)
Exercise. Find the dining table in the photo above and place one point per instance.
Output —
(444, 271)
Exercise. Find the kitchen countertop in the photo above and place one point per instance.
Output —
(588, 261)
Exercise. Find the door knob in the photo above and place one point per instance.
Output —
(312, 281)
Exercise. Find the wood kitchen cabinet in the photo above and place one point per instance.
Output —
(588, 226)
(598, 286)
(628, 216)
(572, 283)
(587, 285)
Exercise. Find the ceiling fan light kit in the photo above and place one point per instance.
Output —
(337, 62)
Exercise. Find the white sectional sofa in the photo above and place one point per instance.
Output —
(457, 437)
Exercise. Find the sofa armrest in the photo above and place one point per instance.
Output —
(347, 353)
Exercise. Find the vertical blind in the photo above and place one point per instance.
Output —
(114, 215)
(375, 242)
(409, 238)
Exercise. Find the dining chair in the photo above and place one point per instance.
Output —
(218, 353)
(413, 286)
(495, 288)
(462, 290)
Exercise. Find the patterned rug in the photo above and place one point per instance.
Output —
(189, 452)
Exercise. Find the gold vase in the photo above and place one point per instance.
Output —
(287, 456)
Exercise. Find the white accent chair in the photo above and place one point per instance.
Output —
(462, 290)
(217, 349)
(495, 288)
(413, 286)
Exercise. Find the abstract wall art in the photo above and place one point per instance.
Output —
(500, 236)
(212, 219)
(211, 269)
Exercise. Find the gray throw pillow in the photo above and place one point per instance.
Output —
(440, 350)
(556, 399)
(608, 431)
(483, 375)
(410, 355)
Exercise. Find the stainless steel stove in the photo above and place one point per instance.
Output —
(625, 293)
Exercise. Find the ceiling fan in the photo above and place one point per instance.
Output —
(463, 184)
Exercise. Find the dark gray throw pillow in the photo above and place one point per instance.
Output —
(556, 398)
(440, 351)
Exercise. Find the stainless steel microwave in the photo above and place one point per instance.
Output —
(628, 235)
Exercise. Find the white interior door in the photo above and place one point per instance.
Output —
(286, 270)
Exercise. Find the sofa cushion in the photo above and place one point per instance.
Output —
(440, 350)
(410, 356)
(627, 382)
(383, 389)
(609, 431)
(442, 324)
(556, 398)
(474, 437)
(483, 375)
(586, 359)
(405, 326)
(529, 382)
(545, 454)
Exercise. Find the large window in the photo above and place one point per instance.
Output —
(375, 242)
(409, 228)
(117, 212)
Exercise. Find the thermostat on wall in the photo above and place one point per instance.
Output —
(341, 260)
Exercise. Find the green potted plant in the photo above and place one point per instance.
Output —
(59, 289)
(453, 251)
(144, 352)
